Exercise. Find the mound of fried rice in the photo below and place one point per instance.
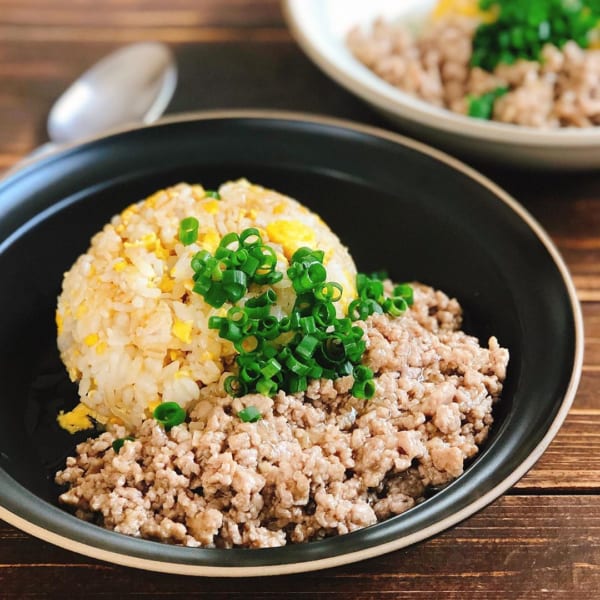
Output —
(131, 331)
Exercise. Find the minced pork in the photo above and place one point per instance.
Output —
(317, 464)
(560, 90)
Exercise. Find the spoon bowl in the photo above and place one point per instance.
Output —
(133, 84)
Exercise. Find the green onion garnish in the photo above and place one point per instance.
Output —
(188, 230)
(212, 194)
(250, 414)
(371, 298)
(523, 27)
(364, 390)
(169, 414)
(482, 107)
(234, 386)
(311, 342)
(119, 442)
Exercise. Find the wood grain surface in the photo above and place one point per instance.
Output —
(542, 539)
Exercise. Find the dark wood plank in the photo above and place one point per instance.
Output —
(134, 14)
(572, 461)
(518, 547)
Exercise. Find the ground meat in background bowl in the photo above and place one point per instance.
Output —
(562, 89)
(318, 463)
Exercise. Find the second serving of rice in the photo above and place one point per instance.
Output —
(319, 462)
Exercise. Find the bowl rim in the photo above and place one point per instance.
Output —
(180, 568)
(381, 94)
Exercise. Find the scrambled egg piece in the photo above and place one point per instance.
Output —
(210, 240)
(78, 419)
(91, 339)
(291, 235)
(464, 8)
(182, 330)
(211, 207)
(152, 407)
(59, 322)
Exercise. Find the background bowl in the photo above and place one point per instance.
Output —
(320, 27)
(396, 203)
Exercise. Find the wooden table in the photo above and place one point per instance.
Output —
(542, 539)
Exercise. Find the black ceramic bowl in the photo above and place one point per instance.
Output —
(396, 203)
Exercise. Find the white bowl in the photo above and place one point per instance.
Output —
(320, 27)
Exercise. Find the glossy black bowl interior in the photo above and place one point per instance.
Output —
(393, 205)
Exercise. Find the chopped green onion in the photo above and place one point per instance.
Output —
(250, 373)
(405, 291)
(229, 239)
(330, 291)
(250, 237)
(248, 344)
(169, 414)
(200, 259)
(235, 284)
(250, 414)
(119, 442)
(311, 342)
(362, 373)
(188, 230)
(266, 387)
(307, 346)
(297, 383)
(482, 107)
(236, 314)
(234, 386)
(333, 349)
(296, 366)
(269, 328)
(324, 313)
(271, 368)
(268, 297)
(212, 194)
(364, 390)
(395, 306)
(522, 28)
(308, 324)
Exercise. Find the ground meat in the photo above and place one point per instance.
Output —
(560, 90)
(317, 464)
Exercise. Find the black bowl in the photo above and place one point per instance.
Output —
(397, 204)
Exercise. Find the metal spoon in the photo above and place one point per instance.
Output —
(131, 85)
